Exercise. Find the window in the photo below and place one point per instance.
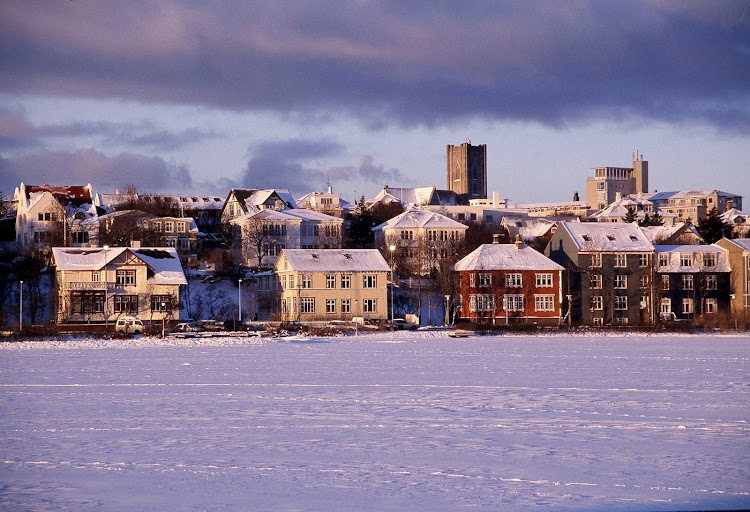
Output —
(663, 259)
(407, 235)
(86, 302)
(346, 281)
(125, 277)
(330, 280)
(645, 281)
(644, 301)
(369, 281)
(472, 280)
(307, 305)
(346, 305)
(644, 259)
(126, 303)
(544, 280)
(369, 305)
(291, 281)
(168, 227)
(306, 280)
(481, 303)
(513, 302)
(665, 282)
(621, 321)
(686, 259)
(709, 259)
(96, 276)
(79, 216)
(687, 281)
(161, 303)
(621, 260)
(687, 306)
(330, 305)
(544, 302)
(514, 280)
(711, 306)
(80, 237)
(621, 282)
(597, 321)
(596, 282)
(712, 282)
(485, 280)
(596, 259)
(597, 303)
(665, 307)
(180, 227)
(621, 302)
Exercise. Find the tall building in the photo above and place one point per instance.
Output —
(602, 189)
(467, 170)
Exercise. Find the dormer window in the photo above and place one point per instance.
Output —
(79, 216)
(610, 237)
(587, 238)
(633, 238)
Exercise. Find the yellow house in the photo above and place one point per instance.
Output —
(333, 284)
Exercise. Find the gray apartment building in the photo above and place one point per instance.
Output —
(607, 182)
(609, 272)
(467, 170)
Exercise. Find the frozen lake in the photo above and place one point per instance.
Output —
(405, 421)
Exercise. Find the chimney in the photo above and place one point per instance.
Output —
(135, 244)
(519, 242)
(496, 238)
(576, 197)
(495, 198)
(330, 189)
(618, 196)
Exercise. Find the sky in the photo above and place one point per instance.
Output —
(199, 97)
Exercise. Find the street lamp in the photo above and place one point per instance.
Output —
(392, 248)
(447, 307)
(356, 321)
(20, 304)
(106, 313)
(239, 300)
(163, 315)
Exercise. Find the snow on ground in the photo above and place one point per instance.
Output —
(402, 421)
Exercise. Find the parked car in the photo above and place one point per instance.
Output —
(187, 327)
(129, 325)
(338, 323)
(291, 325)
(212, 325)
(401, 324)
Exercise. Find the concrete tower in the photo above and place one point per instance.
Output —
(467, 170)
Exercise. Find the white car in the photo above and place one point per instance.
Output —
(187, 327)
(401, 324)
(129, 325)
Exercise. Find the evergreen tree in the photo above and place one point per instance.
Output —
(713, 228)
(631, 217)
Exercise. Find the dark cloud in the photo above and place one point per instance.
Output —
(414, 63)
(106, 173)
(369, 172)
(17, 132)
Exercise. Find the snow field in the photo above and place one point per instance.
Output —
(379, 422)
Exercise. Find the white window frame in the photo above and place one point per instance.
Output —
(712, 282)
(544, 302)
(663, 259)
(688, 306)
(346, 305)
(513, 280)
(330, 306)
(621, 302)
(307, 305)
(621, 260)
(330, 281)
(369, 281)
(544, 280)
(346, 281)
(596, 282)
(688, 282)
(597, 302)
(596, 259)
(369, 305)
(307, 281)
(514, 302)
(621, 282)
(485, 279)
(711, 306)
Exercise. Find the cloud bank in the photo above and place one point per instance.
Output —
(411, 63)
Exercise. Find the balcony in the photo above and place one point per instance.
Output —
(85, 286)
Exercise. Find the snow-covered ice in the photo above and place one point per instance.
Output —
(402, 421)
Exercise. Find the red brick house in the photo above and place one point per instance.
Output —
(505, 283)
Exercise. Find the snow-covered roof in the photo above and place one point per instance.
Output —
(416, 218)
(302, 201)
(654, 233)
(164, 261)
(743, 243)
(681, 194)
(259, 197)
(527, 227)
(734, 216)
(608, 237)
(340, 260)
(505, 257)
(697, 252)
(297, 214)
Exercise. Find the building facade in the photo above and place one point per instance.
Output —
(332, 284)
(101, 284)
(467, 170)
(691, 281)
(607, 182)
(509, 283)
(610, 272)
(738, 251)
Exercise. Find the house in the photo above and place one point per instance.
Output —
(419, 196)
(609, 269)
(179, 232)
(608, 181)
(244, 201)
(739, 219)
(738, 251)
(98, 285)
(324, 202)
(694, 204)
(422, 239)
(48, 215)
(333, 284)
(618, 210)
(503, 283)
(681, 233)
(691, 280)
(260, 236)
(528, 228)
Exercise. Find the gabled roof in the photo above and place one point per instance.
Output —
(734, 216)
(77, 195)
(505, 257)
(527, 227)
(163, 261)
(655, 233)
(742, 243)
(416, 218)
(607, 237)
(297, 214)
(681, 194)
(259, 197)
(302, 201)
(335, 260)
